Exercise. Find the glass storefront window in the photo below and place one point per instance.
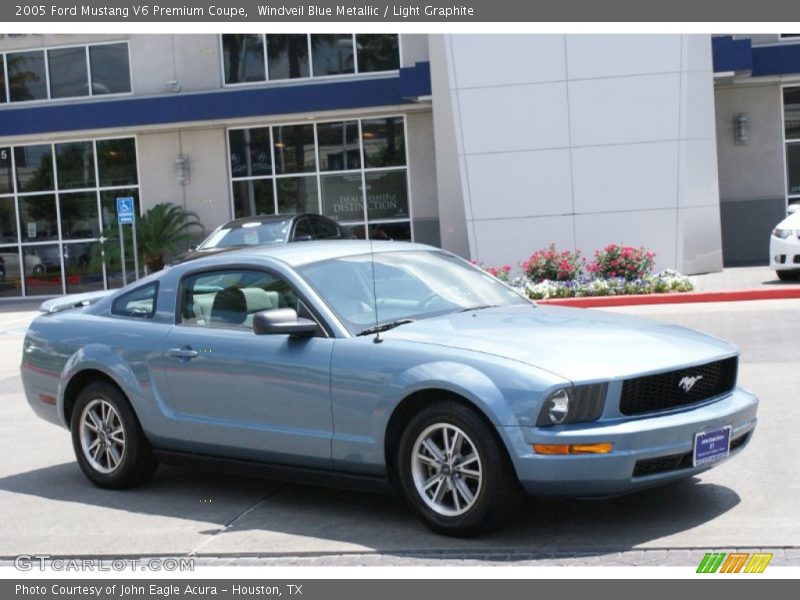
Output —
(116, 162)
(3, 98)
(243, 57)
(294, 149)
(342, 197)
(34, 165)
(250, 154)
(287, 56)
(83, 267)
(38, 218)
(332, 54)
(327, 176)
(377, 52)
(387, 195)
(384, 142)
(793, 168)
(110, 69)
(338, 146)
(75, 165)
(79, 219)
(297, 194)
(6, 183)
(42, 269)
(10, 273)
(68, 72)
(791, 112)
(253, 197)
(8, 221)
(294, 56)
(27, 76)
(64, 72)
(52, 218)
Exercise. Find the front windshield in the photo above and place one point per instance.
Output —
(408, 285)
(248, 234)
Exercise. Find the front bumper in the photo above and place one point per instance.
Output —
(784, 255)
(635, 440)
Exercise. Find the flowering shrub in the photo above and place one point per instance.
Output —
(663, 282)
(626, 262)
(551, 265)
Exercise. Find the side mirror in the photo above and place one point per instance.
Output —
(192, 248)
(793, 208)
(283, 321)
(302, 238)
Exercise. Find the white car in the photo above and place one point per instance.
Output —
(784, 246)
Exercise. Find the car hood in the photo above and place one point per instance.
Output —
(577, 344)
(790, 222)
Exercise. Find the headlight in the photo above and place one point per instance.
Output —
(575, 404)
(781, 233)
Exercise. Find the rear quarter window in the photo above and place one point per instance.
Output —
(139, 303)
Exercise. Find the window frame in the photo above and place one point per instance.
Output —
(325, 329)
(361, 172)
(356, 72)
(46, 50)
(122, 297)
(17, 195)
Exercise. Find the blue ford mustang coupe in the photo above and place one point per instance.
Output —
(390, 365)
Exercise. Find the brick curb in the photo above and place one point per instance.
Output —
(780, 293)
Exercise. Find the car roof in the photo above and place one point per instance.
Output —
(303, 253)
(236, 223)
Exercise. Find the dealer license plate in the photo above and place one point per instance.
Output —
(711, 446)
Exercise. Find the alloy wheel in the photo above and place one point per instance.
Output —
(446, 469)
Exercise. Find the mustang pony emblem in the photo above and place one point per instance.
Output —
(687, 383)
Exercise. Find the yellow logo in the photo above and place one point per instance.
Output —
(735, 562)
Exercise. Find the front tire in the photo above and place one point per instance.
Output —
(454, 473)
(108, 441)
(787, 275)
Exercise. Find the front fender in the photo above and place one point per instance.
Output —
(458, 378)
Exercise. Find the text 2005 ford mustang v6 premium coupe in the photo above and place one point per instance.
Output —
(392, 364)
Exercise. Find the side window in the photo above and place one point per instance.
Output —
(139, 303)
(303, 231)
(229, 299)
(326, 230)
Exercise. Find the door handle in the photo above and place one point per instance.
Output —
(186, 353)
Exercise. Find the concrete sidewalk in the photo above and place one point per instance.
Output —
(739, 278)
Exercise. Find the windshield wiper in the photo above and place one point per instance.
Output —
(478, 307)
(384, 326)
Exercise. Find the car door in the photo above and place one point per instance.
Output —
(242, 395)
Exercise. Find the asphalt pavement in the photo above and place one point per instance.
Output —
(48, 507)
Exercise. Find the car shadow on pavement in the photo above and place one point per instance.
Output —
(255, 516)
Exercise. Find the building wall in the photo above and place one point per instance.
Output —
(751, 176)
(581, 140)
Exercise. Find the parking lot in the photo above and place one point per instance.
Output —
(48, 507)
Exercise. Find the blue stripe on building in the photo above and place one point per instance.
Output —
(760, 61)
(402, 88)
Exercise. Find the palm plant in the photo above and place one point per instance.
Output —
(158, 232)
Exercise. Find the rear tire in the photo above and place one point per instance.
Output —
(455, 473)
(788, 275)
(108, 441)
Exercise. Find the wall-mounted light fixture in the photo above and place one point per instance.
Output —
(741, 129)
(182, 169)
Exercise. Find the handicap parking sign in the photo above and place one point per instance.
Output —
(125, 210)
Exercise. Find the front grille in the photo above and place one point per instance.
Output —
(666, 391)
(675, 462)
